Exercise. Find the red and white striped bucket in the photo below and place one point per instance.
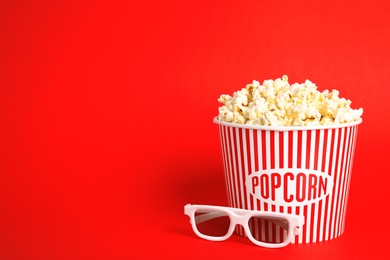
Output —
(299, 170)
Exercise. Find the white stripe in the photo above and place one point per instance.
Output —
(277, 165)
(262, 229)
(351, 163)
(342, 185)
(246, 169)
(276, 149)
(320, 150)
(230, 168)
(252, 146)
(303, 166)
(348, 178)
(260, 161)
(295, 149)
(303, 149)
(238, 145)
(256, 227)
(309, 228)
(341, 147)
(236, 163)
(268, 163)
(244, 148)
(294, 165)
(226, 164)
(259, 150)
(268, 149)
(270, 235)
(326, 169)
(334, 149)
(285, 149)
(255, 146)
(312, 149)
(263, 157)
(319, 166)
(252, 156)
(234, 169)
(285, 162)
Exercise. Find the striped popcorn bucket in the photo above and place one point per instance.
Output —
(298, 170)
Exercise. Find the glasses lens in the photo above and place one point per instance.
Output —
(212, 223)
(268, 229)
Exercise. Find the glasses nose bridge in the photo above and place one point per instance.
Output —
(239, 219)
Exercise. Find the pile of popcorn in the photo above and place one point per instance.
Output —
(277, 103)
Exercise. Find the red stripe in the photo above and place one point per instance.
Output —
(248, 161)
(312, 227)
(272, 150)
(308, 147)
(252, 202)
(256, 150)
(231, 167)
(259, 158)
(318, 227)
(343, 173)
(299, 150)
(281, 150)
(229, 160)
(349, 177)
(258, 204)
(339, 181)
(306, 226)
(233, 159)
(243, 174)
(290, 149)
(335, 182)
(248, 151)
(263, 150)
(325, 216)
(297, 210)
(316, 151)
(225, 159)
(236, 179)
(329, 136)
(324, 150)
(347, 171)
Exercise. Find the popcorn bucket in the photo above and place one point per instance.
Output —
(297, 170)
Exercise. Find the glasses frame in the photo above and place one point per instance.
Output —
(241, 217)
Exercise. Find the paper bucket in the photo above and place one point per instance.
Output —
(298, 170)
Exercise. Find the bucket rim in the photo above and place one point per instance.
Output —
(286, 128)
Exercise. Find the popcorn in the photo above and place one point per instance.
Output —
(277, 103)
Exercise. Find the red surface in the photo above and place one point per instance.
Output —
(106, 112)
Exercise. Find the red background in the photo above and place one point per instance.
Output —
(106, 112)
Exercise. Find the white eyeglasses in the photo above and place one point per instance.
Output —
(267, 229)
